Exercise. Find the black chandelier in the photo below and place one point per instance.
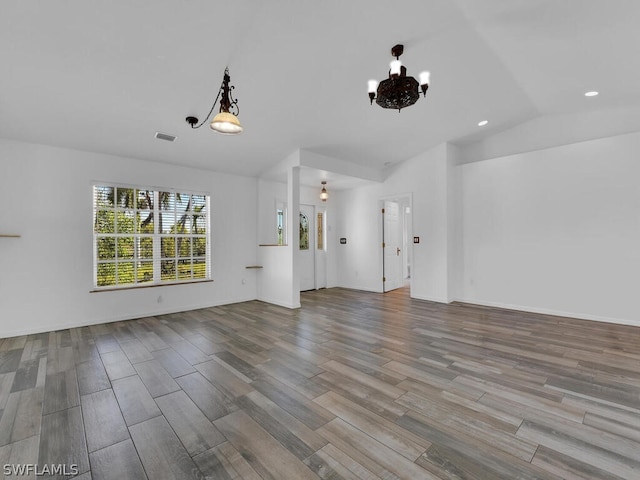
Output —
(399, 90)
(225, 122)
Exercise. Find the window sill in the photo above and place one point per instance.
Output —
(152, 285)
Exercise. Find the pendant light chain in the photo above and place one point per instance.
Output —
(210, 111)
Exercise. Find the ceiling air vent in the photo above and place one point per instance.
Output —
(166, 136)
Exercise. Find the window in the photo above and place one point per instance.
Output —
(304, 232)
(320, 229)
(146, 237)
(280, 226)
(281, 222)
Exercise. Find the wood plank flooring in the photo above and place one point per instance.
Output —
(353, 385)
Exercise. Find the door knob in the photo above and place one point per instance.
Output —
(398, 251)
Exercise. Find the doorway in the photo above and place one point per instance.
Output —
(396, 251)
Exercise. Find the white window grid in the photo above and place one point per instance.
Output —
(194, 222)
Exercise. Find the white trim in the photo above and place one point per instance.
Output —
(548, 311)
(157, 236)
(361, 288)
(279, 304)
(121, 318)
(155, 188)
(430, 299)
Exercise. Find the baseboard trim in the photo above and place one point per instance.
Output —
(547, 311)
(360, 288)
(120, 318)
(278, 303)
(430, 299)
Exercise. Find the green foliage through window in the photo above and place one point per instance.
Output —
(280, 225)
(144, 236)
(304, 232)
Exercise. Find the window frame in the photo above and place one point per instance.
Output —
(157, 258)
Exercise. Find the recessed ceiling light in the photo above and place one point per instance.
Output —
(591, 94)
(483, 123)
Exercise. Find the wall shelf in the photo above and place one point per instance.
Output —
(9, 235)
(254, 266)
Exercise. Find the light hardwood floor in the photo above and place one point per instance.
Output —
(353, 385)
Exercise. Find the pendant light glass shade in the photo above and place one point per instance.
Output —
(323, 193)
(226, 123)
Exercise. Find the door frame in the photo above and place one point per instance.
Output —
(312, 241)
(405, 200)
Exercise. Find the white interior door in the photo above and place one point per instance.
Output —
(393, 245)
(321, 254)
(307, 248)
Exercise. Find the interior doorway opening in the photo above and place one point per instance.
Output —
(312, 248)
(397, 215)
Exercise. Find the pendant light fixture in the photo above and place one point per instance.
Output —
(323, 193)
(399, 90)
(226, 122)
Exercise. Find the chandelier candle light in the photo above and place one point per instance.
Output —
(399, 90)
(225, 122)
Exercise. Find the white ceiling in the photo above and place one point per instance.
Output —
(104, 76)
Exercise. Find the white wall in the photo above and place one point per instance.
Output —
(455, 257)
(278, 280)
(359, 260)
(274, 279)
(552, 130)
(275, 282)
(46, 275)
(555, 230)
(425, 177)
(270, 193)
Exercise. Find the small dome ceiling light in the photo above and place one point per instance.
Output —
(593, 93)
(482, 123)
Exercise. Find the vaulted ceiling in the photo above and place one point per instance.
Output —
(104, 76)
